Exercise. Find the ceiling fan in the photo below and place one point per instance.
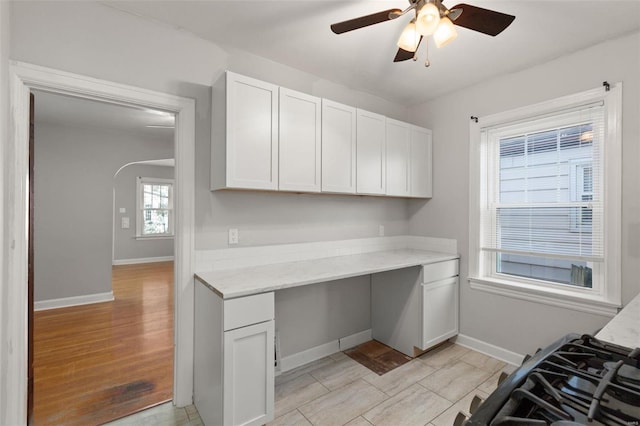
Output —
(431, 18)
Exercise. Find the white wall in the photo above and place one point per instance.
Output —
(6, 412)
(510, 323)
(337, 303)
(74, 177)
(125, 245)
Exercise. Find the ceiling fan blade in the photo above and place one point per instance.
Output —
(364, 21)
(404, 55)
(482, 20)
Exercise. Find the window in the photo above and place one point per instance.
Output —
(155, 207)
(545, 202)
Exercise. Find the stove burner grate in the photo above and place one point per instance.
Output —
(577, 380)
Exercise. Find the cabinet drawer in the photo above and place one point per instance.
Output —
(439, 270)
(248, 310)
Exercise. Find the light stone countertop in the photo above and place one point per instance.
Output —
(230, 283)
(624, 328)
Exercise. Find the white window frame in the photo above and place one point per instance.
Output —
(140, 181)
(606, 298)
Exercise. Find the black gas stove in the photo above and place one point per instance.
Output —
(578, 380)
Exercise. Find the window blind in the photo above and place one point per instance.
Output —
(543, 189)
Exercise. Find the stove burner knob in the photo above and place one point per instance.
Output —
(461, 419)
(475, 403)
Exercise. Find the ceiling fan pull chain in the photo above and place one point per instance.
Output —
(427, 63)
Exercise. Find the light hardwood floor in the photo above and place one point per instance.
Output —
(99, 362)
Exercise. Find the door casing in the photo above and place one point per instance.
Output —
(24, 77)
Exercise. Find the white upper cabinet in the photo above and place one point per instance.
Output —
(420, 166)
(408, 160)
(370, 153)
(397, 159)
(266, 137)
(300, 139)
(338, 148)
(245, 134)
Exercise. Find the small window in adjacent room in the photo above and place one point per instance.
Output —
(155, 207)
(545, 201)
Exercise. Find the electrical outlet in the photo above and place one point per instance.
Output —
(124, 222)
(381, 230)
(233, 236)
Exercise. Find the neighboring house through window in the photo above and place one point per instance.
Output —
(155, 207)
(545, 201)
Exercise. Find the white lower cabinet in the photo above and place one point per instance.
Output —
(233, 358)
(248, 375)
(439, 311)
(413, 309)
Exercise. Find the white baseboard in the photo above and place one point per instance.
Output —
(301, 358)
(489, 349)
(65, 302)
(141, 260)
(354, 340)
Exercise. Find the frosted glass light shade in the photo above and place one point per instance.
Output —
(428, 19)
(409, 38)
(445, 33)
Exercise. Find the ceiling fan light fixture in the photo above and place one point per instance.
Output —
(409, 38)
(428, 19)
(445, 33)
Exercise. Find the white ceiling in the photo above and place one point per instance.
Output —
(296, 33)
(72, 111)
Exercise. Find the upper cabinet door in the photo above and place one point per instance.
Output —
(420, 165)
(252, 133)
(398, 155)
(300, 141)
(370, 153)
(338, 148)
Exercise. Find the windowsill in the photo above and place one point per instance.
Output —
(159, 237)
(554, 297)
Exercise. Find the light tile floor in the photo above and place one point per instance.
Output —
(429, 390)
(336, 390)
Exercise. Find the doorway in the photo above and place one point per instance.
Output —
(95, 360)
(23, 78)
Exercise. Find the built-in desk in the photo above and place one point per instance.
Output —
(414, 296)
(252, 280)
